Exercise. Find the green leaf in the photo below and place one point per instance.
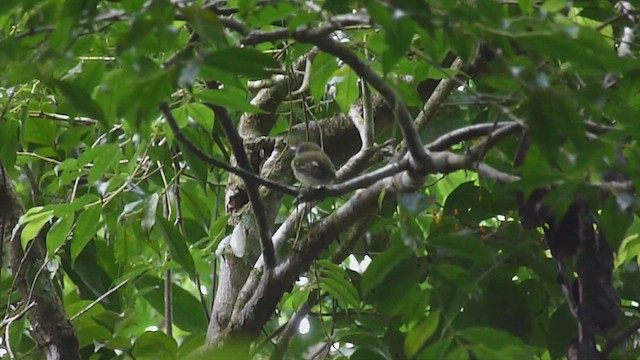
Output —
(248, 62)
(39, 131)
(9, 140)
(188, 313)
(201, 114)
(58, 233)
(382, 265)
(33, 221)
(324, 65)
(554, 5)
(335, 281)
(553, 113)
(155, 345)
(347, 91)
(207, 24)
(561, 329)
(399, 35)
(614, 222)
(488, 343)
(177, 245)
(526, 6)
(198, 166)
(464, 246)
(469, 203)
(418, 336)
(80, 100)
(86, 227)
(106, 155)
(232, 99)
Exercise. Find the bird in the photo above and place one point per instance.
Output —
(312, 166)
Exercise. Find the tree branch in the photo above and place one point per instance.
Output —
(318, 38)
(440, 93)
(286, 189)
(259, 209)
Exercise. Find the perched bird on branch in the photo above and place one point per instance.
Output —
(311, 166)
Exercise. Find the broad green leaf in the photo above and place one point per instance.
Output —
(86, 227)
(469, 203)
(232, 99)
(382, 265)
(198, 166)
(464, 246)
(201, 114)
(33, 221)
(81, 100)
(614, 222)
(347, 91)
(248, 62)
(335, 281)
(506, 305)
(488, 343)
(88, 334)
(207, 24)
(177, 246)
(552, 113)
(526, 6)
(436, 350)
(82, 202)
(418, 336)
(155, 345)
(9, 140)
(554, 5)
(561, 329)
(106, 156)
(324, 65)
(39, 131)
(399, 35)
(188, 313)
(58, 233)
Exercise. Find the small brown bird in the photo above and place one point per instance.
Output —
(311, 166)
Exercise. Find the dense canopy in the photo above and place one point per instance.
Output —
(483, 207)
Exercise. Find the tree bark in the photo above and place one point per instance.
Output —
(52, 330)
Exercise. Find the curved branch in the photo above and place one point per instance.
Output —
(462, 134)
(290, 190)
(259, 209)
(318, 38)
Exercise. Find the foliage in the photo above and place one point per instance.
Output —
(446, 271)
